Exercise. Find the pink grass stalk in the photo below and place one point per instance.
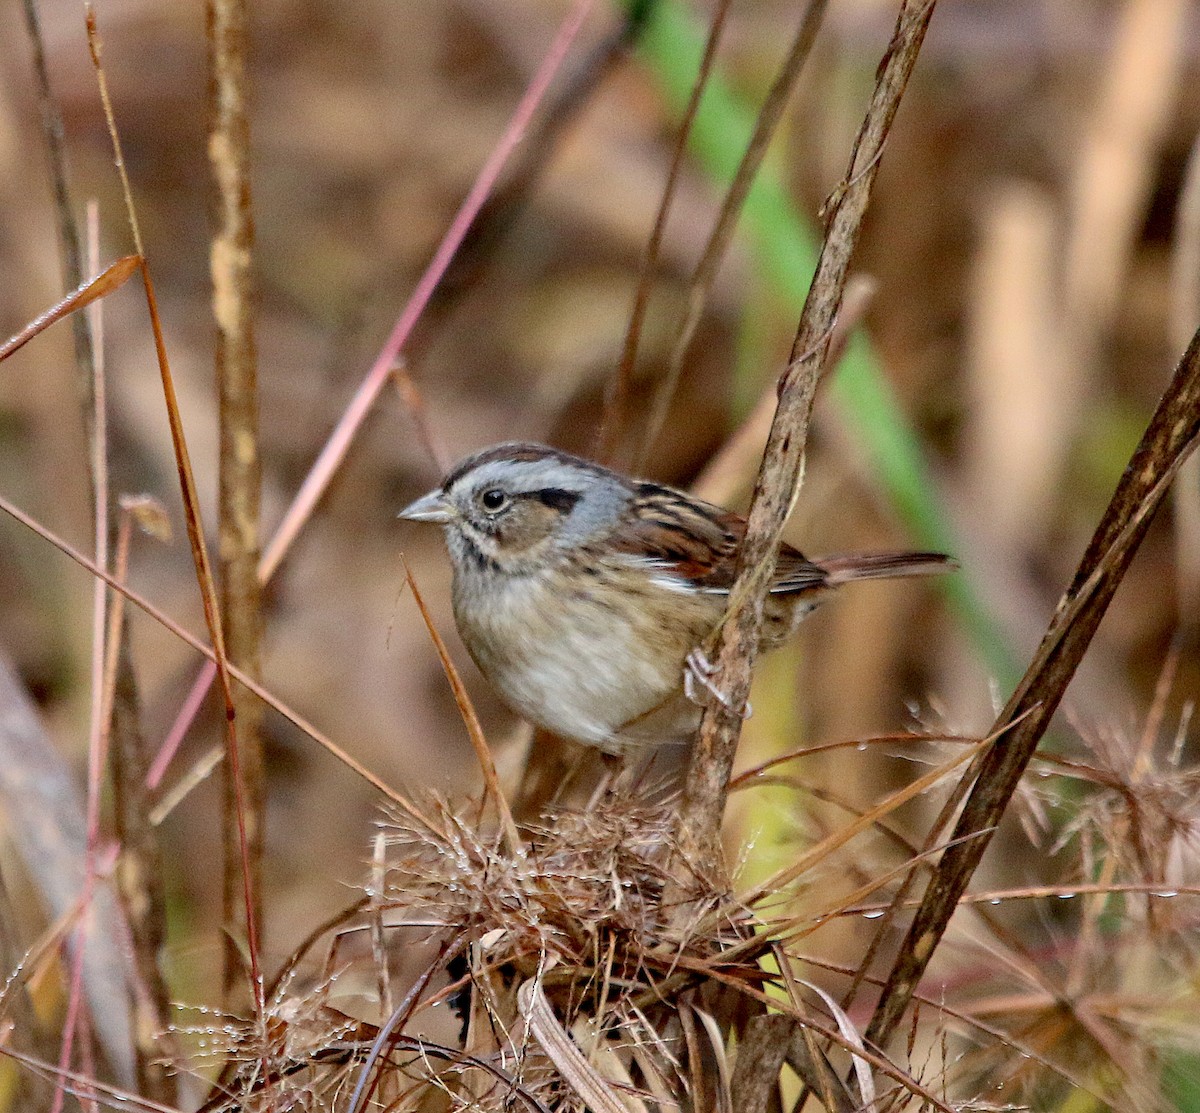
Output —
(342, 437)
(98, 730)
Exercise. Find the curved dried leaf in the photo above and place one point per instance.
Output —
(593, 1090)
(862, 1069)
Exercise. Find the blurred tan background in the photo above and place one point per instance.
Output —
(1022, 237)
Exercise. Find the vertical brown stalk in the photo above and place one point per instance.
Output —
(240, 471)
(617, 396)
(721, 236)
(69, 244)
(703, 804)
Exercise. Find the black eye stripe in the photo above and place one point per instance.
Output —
(557, 498)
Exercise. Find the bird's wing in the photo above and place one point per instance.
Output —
(692, 545)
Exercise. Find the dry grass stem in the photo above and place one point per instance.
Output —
(712, 758)
(612, 423)
(721, 236)
(483, 754)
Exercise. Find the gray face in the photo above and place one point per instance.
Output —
(516, 508)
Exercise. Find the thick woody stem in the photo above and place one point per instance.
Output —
(698, 830)
(239, 471)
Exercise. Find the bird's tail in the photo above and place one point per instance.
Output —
(883, 566)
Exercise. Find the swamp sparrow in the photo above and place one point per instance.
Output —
(584, 596)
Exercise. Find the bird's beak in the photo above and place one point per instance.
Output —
(432, 507)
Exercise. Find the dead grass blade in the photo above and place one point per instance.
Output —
(111, 278)
(697, 1089)
(720, 1056)
(862, 1071)
(487, 764)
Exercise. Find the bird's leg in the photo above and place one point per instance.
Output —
(560, 792)
(698, 673)
(616, 775)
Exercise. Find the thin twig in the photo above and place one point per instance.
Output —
(703, 803)
(414, 403)
(722, 234)
(69, 245)
(98, 735)
(612, 422)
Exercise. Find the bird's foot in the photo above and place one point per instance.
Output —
(698, 676)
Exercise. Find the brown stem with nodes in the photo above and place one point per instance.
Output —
(239, 471)
(703, 804)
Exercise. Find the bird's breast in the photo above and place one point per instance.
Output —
(579, 660)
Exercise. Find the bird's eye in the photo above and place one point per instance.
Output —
(493, 499)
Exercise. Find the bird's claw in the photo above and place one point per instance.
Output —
(698, 673)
